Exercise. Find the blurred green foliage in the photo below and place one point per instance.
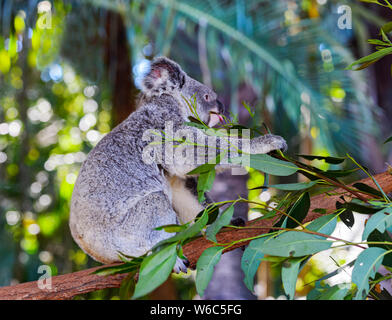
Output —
(50, 118)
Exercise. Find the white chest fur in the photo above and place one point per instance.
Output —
(184, 201)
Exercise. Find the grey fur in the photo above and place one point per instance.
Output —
(118, 198)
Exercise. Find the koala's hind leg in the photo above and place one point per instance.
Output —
(136, 233)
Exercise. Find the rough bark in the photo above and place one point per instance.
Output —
(69, 285)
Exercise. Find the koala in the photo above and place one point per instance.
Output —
(119, 198)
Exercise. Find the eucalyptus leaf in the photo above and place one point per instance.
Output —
(223, 220)
(290, 270)
(250, 261)
(388, 140)
(171, 228)
(266, 163)
(375, 56)
(339, 173)
(204, 184)
(331, 160)
(365, 267)
(205, 267)
(378, 42)
(202, 168)
(188, 233)
(213, 212)
(290, 186)
(325, 224)
(121, 268)
(195, 124)
(387, 27)
(380, 221)
(378, 240)
(299, 210)
(335, 272)
(366, 188)
(155, 269)
(336, 292)
(295, 244)
(320, 210)
(360, 208)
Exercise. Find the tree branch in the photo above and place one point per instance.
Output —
(69, 285)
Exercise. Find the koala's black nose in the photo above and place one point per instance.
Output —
(221, 107)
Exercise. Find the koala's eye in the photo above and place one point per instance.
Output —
(206, 97)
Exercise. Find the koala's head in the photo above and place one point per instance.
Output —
(166, 77)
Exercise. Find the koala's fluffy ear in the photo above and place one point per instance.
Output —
(164, 76)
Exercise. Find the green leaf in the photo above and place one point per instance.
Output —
(387, 27)
(339, 173)
(250, 261)
(365, 267)
(298, 211)
(223, 220)
(127, 287)
(266, 163)
(378, 238)
(196, 121)
(335, 292)
(155, 269)
(388, 140)
(195, 124)
(335, 272)
(360, 208)
(320, 210)
(213, 212)
(384, 36)
(204, 184)
(203, 168)
(295, 244)
(252, 114)
(170, 228)
(205, 267)
(122, 268)
(331, 160)
(366, 188)
(375, 56)
(377, 42)
(289, 186)
(290, 270)
(325, 224)
(189, 232)
(379, 221)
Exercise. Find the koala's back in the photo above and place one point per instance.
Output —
(118, 197)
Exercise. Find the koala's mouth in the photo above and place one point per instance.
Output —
(215, 118)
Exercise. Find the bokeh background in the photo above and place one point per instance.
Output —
(70, 71)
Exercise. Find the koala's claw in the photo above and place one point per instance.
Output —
(181, 265)
(284, 146)
(277, 142)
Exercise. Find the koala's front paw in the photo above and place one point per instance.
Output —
(267, 143)
(181, 266)
(277, 142)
